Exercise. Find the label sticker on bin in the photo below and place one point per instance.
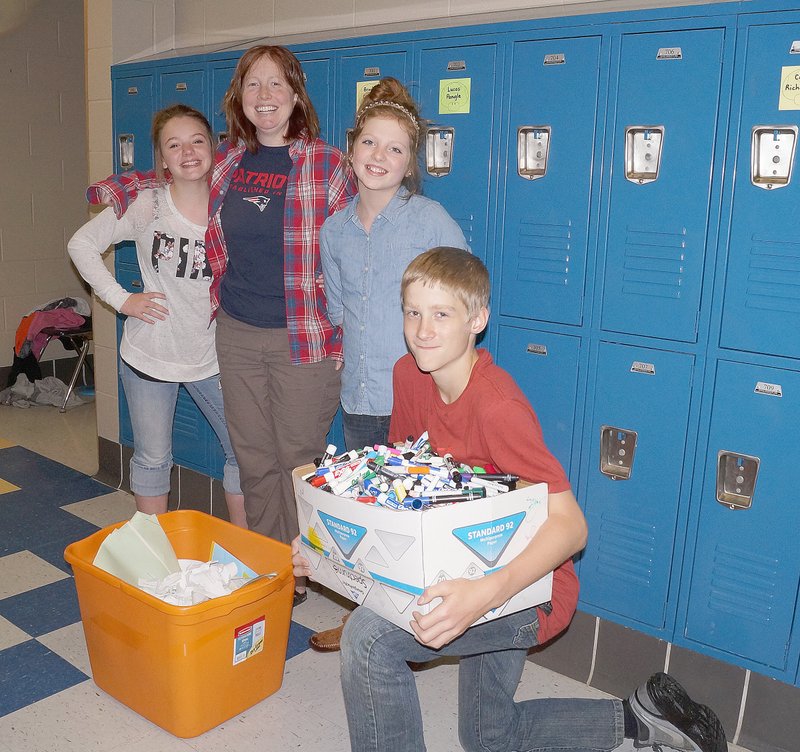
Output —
(346, 535)
(248, 640)
(488, 540)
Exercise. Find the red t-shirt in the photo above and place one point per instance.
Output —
(491, 423)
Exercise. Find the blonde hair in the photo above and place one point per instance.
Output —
(454, 270)
(161, 118)
(389, 98)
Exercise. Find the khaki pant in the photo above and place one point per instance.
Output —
(278, 416)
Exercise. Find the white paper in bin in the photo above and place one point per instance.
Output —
(384, 558)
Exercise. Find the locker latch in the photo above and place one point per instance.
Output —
(772, 155)
(125, 151)
(736, 479)
(643, 144)
(533, 151)
(439, 150)
(617, 450)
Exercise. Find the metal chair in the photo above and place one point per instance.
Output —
(77, 340)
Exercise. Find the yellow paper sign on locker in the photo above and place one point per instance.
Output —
(454, 96)
(789, 98)
(362, 89)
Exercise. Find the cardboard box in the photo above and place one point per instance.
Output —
(384, 558)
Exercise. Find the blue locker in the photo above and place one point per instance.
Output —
(133, 101)
(634, 482)
(459, 90)
(762, 287)
(658, 226)
(546, 213)
(358, 70)
(743, 589)
(220, 74)
(183, 86)
(546, 367)
(318, 70)
(192, 436)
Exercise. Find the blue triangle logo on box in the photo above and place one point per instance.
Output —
(489, 539)
(346, 535)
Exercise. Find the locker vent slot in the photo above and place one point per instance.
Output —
(626, 550)
(743, 584)
(543, 252)
(655, 263)
(466, 221)
(773, 276)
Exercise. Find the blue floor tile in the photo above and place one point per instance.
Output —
(43, 609)
(31, 672)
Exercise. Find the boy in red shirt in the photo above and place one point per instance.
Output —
(475, 411)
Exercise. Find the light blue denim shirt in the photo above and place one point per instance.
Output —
(362, 283)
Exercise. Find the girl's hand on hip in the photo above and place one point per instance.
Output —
(143, 306)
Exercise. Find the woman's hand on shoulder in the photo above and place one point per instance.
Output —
(143, 306)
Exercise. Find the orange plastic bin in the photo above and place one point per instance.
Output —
(188, 668)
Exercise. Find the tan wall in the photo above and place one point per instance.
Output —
(42, 158)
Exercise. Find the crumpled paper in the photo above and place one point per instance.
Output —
(198, 581)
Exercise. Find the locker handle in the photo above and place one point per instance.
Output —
(643, 147)
(533, 151)
(439, 142)
(617, 451)
(736, 479)
(136, 283)
(772, 151)
(126, 151)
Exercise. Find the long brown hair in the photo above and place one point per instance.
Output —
(303, 119)
(161, 118)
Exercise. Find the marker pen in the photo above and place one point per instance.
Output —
(452, 468)
(327, 455)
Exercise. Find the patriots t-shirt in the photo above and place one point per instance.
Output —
(252, 289)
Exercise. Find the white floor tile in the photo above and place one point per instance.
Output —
(25, 571)
(69, 643)
(82, 718)
(11, 635)
(104, 510)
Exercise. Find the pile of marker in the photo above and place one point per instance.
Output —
(411, 476)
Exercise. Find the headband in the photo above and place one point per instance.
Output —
(395, 105)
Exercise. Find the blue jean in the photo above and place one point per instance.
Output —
(383, 710)
(364, 430)
(152, 409)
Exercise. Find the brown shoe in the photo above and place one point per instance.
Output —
(328, 641)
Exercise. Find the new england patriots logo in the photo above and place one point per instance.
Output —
(260, 201)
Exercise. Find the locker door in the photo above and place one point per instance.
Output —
(458, 91)
(627, 564)
(319, 82)
(220, 75)
(546, 367)
(186, 86)
(657, 228)
(762, 289)
(357, 73)
(133, 112)
(546, 212)
(191, 435)
(743, 587)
